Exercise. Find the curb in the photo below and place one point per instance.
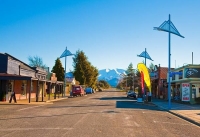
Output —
(179, 115)
(33, 103)
(185, 118)
(56, 99)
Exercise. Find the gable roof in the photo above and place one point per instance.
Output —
(22, 64)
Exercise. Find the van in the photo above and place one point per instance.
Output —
(77, 90)
(88, 90)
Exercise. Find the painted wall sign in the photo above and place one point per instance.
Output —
(185, 92)
(192, 73)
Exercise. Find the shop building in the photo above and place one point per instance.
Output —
(27, 82)
(186, 84)
(158, 80)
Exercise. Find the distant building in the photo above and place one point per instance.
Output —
(185, 83)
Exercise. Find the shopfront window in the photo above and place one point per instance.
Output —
(23, 87)
(177, 92)
(10, 86)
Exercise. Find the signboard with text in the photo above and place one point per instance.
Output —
(185, 92)
(192, 73)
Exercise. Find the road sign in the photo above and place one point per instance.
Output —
(175, 73)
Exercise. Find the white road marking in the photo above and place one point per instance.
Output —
(169, 123)
(136, 124)
(126, 117)
(30, 107)
(13, 129)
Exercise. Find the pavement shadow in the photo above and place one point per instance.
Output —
(114, 98)
(175, 105)
(136, 105)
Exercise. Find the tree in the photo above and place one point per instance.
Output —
(151, 67)
(103, 84)
(130, 76)
(58, 69)
(84, 71)
(36, 61)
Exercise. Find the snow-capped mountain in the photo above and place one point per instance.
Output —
(112, 76)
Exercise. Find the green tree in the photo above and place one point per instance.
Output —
(36, 61)
(58, 69)
(103, 84)
(151, 67)
(84, 71)
(130, 76)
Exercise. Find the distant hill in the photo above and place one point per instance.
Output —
(112, 76)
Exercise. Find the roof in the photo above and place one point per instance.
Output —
(163, 72)
(69, 75)
(22, 64)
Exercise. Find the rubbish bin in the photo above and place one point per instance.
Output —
(149, 98)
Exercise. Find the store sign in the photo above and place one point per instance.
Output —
(192, 73)
(185, 92)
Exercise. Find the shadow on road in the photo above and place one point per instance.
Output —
(114, 98)
(135, 105)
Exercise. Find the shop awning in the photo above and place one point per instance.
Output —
(4, 76)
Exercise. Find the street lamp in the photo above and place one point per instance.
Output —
(145, 55)
(65, 54)
(169, 27)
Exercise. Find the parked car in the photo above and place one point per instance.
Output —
(88, 90)
(77, 90)
(131, 94)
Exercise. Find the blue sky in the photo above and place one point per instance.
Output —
(110, 32)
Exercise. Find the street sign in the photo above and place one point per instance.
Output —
(175, 73)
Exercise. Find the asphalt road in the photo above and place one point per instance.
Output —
(104, 114)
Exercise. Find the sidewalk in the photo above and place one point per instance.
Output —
(46, 100)
(188, 112)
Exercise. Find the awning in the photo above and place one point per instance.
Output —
(4, 76)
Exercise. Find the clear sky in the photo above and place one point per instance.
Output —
(111, 33)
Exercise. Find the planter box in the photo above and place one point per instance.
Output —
(3, 99)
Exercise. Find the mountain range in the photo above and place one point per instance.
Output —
(112, 76)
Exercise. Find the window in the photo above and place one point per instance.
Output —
(181, 76)
(10, 86)
(173, 77)
(23, 87)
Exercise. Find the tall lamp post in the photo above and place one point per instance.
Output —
(145, 55)
(169, 27)
(65, 54)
